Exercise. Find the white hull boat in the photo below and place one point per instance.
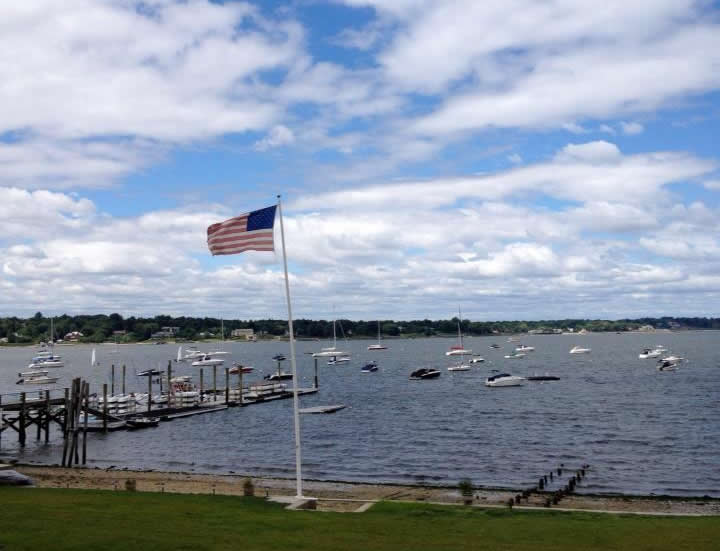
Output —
(46, 363)
(41, 380)
(331, 351)
(580, 350)
(34, 373)
(477, 360)
(522, 348)
(379, 345)
(515, 356)
(341, 360)
(504, 379)
(459, 349)
(461, 367)
(648, 353)
(207, 361)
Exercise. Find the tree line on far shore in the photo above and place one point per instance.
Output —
(114, 327)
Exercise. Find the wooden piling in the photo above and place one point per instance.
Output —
(21, 424)
(316, 376)
(170, 386)
(149, 398)
(227, 385)
(85, 422)
(105, 407)
(202, 385)
(240, 386)
(47, 416)
(112, 380)
(214, 383)
(123, 379)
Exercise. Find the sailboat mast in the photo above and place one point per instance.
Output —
(460, 328)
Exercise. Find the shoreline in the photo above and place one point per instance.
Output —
(344, 496)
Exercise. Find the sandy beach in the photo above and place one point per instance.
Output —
(342, 496)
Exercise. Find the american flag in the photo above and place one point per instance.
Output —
(252, 231)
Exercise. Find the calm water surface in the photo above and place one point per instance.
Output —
(643, 431)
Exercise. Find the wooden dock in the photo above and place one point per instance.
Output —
(69, 409)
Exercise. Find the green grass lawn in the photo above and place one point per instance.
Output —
(57, 519)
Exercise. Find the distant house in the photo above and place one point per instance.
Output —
(247, 334)
(73, 336)
(646, 328)
(165, 332)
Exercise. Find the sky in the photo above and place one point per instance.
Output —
(516, 160)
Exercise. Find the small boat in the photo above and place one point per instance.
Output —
(424, 373)
(671, 358)
(494, 345)
(237, 368)
(143, 422)
(207, 361)
(504, 379)
(580, 350)
(340, 360)
(667, 366)
(34, 373)
(149, 373)
(39, 380)
(477, 360)
(379, 345)
(459, 349)
(282, 376)
(279, 358)
(649, 353)
(459, 367)
(515, 355)
(323, 409)
(369, 367)
(523, 348)
(50, 361)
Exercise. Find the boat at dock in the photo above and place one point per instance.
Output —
(237, 368)
(38, 380)
(279, 376)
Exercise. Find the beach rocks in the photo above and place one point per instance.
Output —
(14, 478)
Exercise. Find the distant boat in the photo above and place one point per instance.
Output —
(207, 361)
(504, 379)
(369, 367)
(37, 380)
(459, 349)
(580, 350)
(459, 367)
(379, 345)
(650, 353)
(331, 351)
(494, 345)
(515, 355)
(149, 373)
(523, 348)
(424, 373)
(237, 368)
(282, 376)
(477, 360)
(338, 360)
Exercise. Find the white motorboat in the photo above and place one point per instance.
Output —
(504, 379)
(459, 349)
(281, 376)
(515, 356)
(523, 348)
(477, 360)
(459, 367)
(580, 350)
(207, 361)
(671, 358)
(51, 362)
(338, 360)
(379, 345)
(649, 353)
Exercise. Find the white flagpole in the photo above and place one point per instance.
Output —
(296, 415)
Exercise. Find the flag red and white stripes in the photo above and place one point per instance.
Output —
(252, 231)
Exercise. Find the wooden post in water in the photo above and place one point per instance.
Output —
(316, 378)
(123, 379)
(149, 392)
(21, 421)
(112, 380)
(47, 416)
(170, 387)
(214, 383)
(65, 413)
(105, 398)
(227, 385)
(202, 385)
(240, 368)
(85, 422)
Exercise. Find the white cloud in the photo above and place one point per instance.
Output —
(632, 128)
(277, 137)
(574, 128)
(515, 158)
(592, 152)
(713, 185)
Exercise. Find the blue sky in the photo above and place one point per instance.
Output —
(524, 161)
